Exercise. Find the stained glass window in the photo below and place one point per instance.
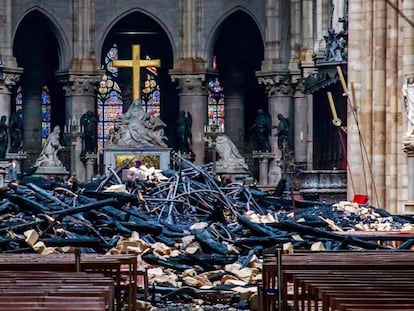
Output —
(216, 104)
(45, 113)
(19, 99)
(151, 91)
(109, 98)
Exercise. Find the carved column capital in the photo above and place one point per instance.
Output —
(408, 145)
(9, 78)
(276, 84)
(191, 83)
(79, 84)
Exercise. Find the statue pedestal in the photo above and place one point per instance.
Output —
(409, 207)
(408, 147)
(89, 159)
(323, 185)
(3, 172)
(156, 157)
(51, 172)
(17, 158)
(236, 174)
(264, 158)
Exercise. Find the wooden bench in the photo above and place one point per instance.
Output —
(331, 262)
(122, 268)
(20, 290)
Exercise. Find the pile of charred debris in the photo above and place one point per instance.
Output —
(199, 238)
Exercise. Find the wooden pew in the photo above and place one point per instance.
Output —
(330, 261)
(122, 268)
(24, 290)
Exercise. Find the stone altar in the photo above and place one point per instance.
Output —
(156, 157)
(323, 185)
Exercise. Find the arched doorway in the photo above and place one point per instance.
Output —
(36, 50)
(140, 29)
(238, 53)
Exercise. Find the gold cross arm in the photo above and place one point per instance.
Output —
(136, 63)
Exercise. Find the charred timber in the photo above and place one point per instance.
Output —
(84, 208)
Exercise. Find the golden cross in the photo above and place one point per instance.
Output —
(136, 63)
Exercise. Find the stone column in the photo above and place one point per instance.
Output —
(360, 55)
(32, 115)
(379, 104)
(6, 30)
(322, 15)
(394, 150)
(234, 108)
(263, 171)
(307, 35)
(89, 160)
(8, 80)
(272, 35)
(79, 98)
(193, 98)
(83, 36)
(300, 125)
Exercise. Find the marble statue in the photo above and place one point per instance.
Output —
(408, 93)
(138, 127)
(230, 158)
(48, 156)
(274, 173)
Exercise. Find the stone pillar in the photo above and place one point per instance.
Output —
(193, 98)
(272, 56)
(79, 98)
(263, 171)
(322, 15)
(89, 160)
(360, 55)
(32, 116)
(83, 36)
(234, 108)
(379, 106)
(300, 125)
(7, 31)
(307, 35)
(191, 15)
(394, 149)
(8, 79)
(295, 39)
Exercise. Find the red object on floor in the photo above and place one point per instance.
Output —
(360, 198)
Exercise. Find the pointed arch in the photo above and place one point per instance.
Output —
(64, 48)
(114, 22)
(214, 33)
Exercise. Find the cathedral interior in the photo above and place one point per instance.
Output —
(221, 63)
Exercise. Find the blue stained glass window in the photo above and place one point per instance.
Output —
(110, 103)
(19, 99)
(45, 113)
(216, 104)
(150, 94)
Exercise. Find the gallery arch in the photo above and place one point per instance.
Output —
(36, 50)
(137, 28)
(239, 50)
